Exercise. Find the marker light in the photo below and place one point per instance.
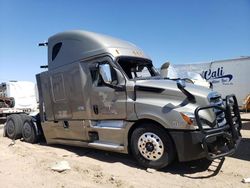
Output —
(186, 119)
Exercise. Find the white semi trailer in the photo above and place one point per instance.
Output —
(227, 76)
(17, 97)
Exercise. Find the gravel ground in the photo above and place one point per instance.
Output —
(27, 165)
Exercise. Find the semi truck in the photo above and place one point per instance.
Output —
(93, 94)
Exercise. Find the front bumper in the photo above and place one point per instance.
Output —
(221, 141)
(214, 142)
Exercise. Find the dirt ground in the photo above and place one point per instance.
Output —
(27, 165)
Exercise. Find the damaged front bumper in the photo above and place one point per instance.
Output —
(223, 140)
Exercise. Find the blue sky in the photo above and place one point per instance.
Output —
(177, 31)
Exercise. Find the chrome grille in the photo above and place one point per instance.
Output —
(215, 99)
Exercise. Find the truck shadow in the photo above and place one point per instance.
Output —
(197, 169)
(243, 150)
(105, 156)
(185, 169)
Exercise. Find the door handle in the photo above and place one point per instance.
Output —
(65, 124)
(95, 108)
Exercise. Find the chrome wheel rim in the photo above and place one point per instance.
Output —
(150, 146)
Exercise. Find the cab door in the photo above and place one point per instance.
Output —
(108, 95)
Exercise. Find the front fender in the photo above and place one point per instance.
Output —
(168, 119)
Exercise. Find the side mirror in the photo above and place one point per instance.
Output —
(106, 76)
(105, 72)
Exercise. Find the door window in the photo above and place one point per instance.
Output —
(103, 72)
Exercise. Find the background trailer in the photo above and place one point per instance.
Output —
(227, 76)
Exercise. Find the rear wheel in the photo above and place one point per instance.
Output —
(24, 117)
(152, 146)
(14, 126)
(29, 131)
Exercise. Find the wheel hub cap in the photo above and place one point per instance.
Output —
(150, 146)
(11, 128)
(27, 130)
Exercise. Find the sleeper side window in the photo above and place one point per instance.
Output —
(55, 50)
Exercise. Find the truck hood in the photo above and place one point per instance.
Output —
(169, 87)
(164, 100)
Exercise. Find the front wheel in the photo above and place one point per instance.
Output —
(152, 146)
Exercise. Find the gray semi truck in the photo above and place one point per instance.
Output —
(101, 92)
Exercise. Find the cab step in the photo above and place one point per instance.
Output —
(106, 146)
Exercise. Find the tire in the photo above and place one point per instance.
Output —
(14, 126)
(25, 117)
(151, 146)
(12, 102)
(29, 131)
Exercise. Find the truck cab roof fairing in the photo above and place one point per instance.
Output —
(77, 45)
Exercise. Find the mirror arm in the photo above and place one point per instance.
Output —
(190, 97)
(115, 87)
(119, 88)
